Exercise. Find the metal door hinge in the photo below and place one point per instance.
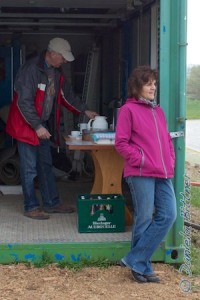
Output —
(176, 134)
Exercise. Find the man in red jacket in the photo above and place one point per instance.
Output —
(34, 118)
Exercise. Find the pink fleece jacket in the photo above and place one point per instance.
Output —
(143, 140)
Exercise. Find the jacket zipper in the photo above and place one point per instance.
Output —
(161, 152)
(142, 162)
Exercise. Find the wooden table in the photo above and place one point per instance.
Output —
(108, 168)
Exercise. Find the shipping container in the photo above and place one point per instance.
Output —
(109, 39)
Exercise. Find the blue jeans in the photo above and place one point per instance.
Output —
(37, 161)
(154, 205)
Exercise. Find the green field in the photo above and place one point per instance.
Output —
(192, 109)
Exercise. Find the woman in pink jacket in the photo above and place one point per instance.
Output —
(142, 138)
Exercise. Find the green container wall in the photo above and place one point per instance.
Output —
(172, 100)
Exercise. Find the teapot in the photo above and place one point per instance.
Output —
(98, 123)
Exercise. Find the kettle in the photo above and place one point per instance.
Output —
(98, 123)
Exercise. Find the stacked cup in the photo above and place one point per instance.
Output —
(82, 126)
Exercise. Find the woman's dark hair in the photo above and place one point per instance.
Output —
(138, 78)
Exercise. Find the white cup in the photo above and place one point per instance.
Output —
(82, 126)
(75, 133)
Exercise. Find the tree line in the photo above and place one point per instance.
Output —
(193, 82)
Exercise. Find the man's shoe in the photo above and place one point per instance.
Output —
(60, 209)
(36, 214)
(138, 277)
(152, 278)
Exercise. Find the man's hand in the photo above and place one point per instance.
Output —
(91, 114)
(43, 133)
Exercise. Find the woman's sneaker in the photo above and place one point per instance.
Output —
(152, 278)
(138, 277)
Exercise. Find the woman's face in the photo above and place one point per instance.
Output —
(148, 90)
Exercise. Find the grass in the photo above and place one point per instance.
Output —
(192, 109)
(195, 266)
(195, 196)
(195, 251)
(84, 263)
(193, 112)
(76, 266)
(45, 260)
(195, 254)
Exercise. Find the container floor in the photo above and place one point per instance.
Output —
(60, 228)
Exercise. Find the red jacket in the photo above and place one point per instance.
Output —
(24, 118)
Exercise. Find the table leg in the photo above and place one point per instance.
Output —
(108, 175)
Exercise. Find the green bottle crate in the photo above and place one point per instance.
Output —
(101, 213)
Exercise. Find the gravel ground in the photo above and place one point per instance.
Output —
(115, 283)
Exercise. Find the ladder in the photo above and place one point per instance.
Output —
(91, 83)
(90, 87)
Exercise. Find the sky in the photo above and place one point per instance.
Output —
(193, 29)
